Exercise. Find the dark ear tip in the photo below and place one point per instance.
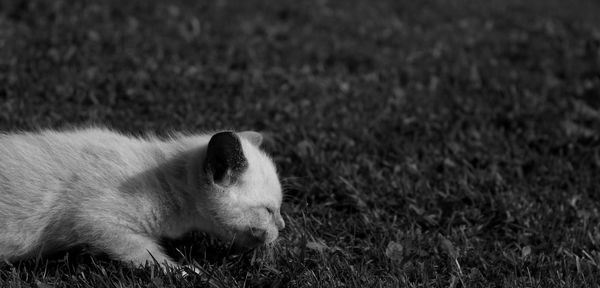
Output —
(224, 157)
(224, 135)
(221, 144)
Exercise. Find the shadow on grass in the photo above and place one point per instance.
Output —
(83, 267)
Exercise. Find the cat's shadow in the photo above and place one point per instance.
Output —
(192, 249)
(202, 248)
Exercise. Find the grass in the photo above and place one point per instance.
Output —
(422, 143)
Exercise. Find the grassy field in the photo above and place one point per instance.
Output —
(422, 143)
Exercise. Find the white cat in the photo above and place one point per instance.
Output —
(120, 194)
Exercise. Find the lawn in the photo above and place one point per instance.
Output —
(421, 143)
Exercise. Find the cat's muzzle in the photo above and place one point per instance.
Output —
(253, 237)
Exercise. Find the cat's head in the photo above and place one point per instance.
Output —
(244, 189)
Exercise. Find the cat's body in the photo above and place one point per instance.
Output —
(120, 194)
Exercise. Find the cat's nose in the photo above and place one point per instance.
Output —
(258, 234)
(280, 223)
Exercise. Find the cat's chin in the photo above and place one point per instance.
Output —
(240, 239)
(248, 244)
(247, 240)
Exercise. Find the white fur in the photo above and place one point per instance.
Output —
(120, 194)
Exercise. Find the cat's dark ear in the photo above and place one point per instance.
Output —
(252, 136)
(225, 160)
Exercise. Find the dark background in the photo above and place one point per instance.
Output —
(421, 143)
